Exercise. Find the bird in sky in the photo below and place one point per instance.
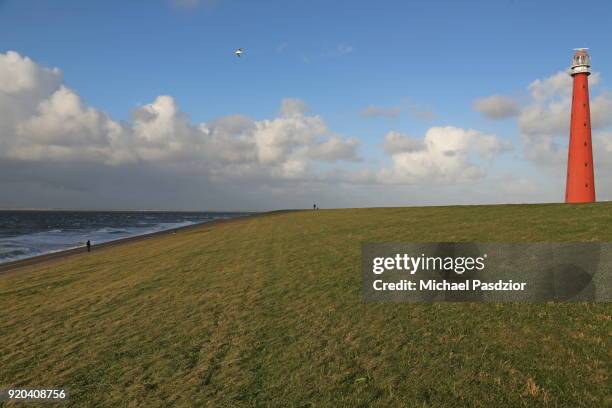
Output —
(238, 52)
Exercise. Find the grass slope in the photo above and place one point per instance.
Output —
(268, 311)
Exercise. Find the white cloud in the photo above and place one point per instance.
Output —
(544, 122)
(21, 75)
(396, 142)
(335, 148)
(497, 107)
(276, 139)
(64, 129)
(53, 143)
(55, 124)
(444, 155)
(160, 131)
(23, 84)
(63, 120)
(557, 86)
(602, 149)
(601, 111)
(554, 86)
(544, 129)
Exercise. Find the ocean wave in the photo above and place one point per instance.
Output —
(32, 243)
(109, 230)
(8, 255)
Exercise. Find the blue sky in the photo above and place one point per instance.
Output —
(433, 57)
(440, 54)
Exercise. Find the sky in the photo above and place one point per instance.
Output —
(143, 105)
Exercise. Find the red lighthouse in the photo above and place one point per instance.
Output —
(580, 187)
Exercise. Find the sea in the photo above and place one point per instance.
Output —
(24, 234)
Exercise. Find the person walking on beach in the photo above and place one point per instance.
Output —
(88, 246)
(314, 206)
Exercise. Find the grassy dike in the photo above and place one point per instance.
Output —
(268, 311)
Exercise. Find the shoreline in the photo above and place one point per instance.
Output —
(13, 266)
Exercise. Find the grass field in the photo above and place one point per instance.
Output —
(267, 311)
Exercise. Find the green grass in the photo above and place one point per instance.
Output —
(267, 311)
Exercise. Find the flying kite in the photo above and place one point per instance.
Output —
(238, 52)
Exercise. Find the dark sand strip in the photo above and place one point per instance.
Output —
(57, 256)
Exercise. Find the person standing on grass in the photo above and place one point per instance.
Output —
(88, 246)
(314, 206)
